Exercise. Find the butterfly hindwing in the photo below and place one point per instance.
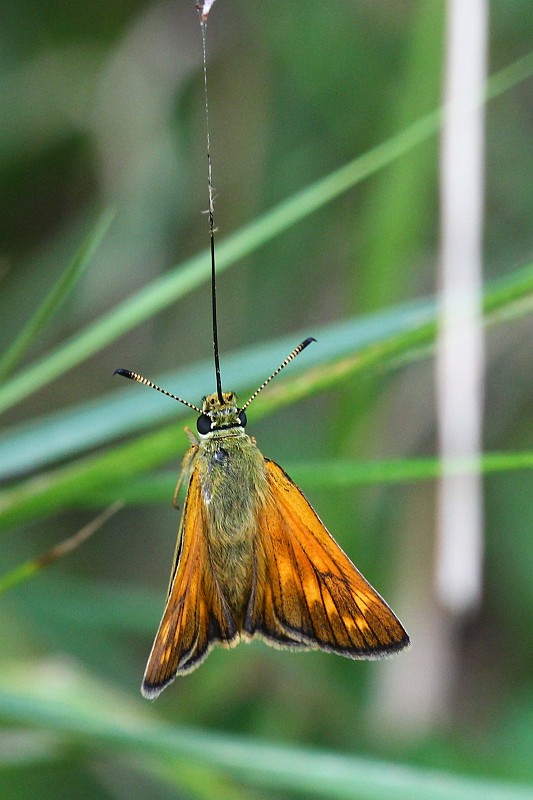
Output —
(312, 596)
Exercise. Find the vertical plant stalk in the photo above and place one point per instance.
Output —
(460, 356)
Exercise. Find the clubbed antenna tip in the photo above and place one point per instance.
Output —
(134, 376)
(290, 357)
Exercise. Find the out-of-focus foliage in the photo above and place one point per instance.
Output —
(102, 107)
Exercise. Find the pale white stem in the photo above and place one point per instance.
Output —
(460, 358)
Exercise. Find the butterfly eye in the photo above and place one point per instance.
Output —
(203, 424)
(242, 419)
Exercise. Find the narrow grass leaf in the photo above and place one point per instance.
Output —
(62, 701)
(184, 278)
(334, 474)
(127, 410)
(57, 295)
(49, 493)
(35, 565)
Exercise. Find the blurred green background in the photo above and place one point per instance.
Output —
(102, 108)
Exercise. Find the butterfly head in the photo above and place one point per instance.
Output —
(218, 415)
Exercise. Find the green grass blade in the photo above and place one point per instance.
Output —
(57, 295)
(331, 474)
(175, 284)
(26, 749)
(393, 227)
(127, 409)
(31, 567)
(410, 338)
(95, 718)
(363, 343)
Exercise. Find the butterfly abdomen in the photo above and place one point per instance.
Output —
(233, 479)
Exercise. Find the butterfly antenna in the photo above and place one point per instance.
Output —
(211, 212)
(290, 357)
(134, 376)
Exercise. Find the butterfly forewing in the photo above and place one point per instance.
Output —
(195, 615)
(313, 596)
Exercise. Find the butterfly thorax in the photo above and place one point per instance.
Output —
(233, 480)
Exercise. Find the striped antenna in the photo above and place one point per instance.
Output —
(134, 376)
(284, 363)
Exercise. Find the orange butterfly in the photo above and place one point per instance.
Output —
(252, 557)
(253, 560)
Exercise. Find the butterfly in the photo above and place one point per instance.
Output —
(254, 561)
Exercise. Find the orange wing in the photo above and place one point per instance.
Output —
(311, 596)
(195, 616)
